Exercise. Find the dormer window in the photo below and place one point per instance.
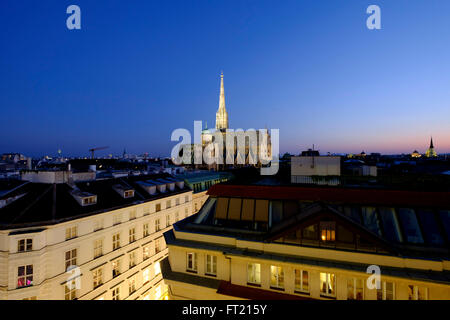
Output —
(328, 231)
(123, 191)
(129, 194)
(84, 198)
(89, 200)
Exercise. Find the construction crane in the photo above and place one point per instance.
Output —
(95, 149)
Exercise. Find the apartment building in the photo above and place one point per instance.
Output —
(91, 240)
(295, 242)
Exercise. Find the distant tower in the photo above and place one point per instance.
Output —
(430, 152)
(222, 115)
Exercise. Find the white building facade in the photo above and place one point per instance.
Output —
(112, 255)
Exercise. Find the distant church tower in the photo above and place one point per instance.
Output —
(221, 114)
(430, 152)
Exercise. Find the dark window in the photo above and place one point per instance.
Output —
(390, 224)
(429, 227)
(370, 219)
(310, 232)
(445, 218)
(344, 235)
(410, 225)
(277, 211)
(353, 213)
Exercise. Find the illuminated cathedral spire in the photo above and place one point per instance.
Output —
(222, 115)
(431, 152)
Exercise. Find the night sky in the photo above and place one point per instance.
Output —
(139, 69)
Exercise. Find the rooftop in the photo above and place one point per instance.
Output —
(393, 222)
(46, 204)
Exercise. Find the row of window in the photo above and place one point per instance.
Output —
(72, 232)
(327, 284)
(327, 281)
(98, 280)
(24, 245)
(25, 273)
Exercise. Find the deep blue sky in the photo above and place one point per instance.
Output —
(139, 69)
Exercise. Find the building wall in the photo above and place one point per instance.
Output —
(198, 199)
(315, 166)
(234, 269)
(50, 247)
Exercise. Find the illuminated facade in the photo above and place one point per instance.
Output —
(241, 151)
(290, 242)
(107, 233)
(222, 114)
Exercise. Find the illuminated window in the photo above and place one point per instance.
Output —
(157, 225)
(97, 276)
(131, 285)
(24, 276)
(327, 284)
(327, 231)
(177, 201)
(132, 235)
(146, 253)
(387, 291)
(30, 298)
(25, 245)
(157, 246)
(116, 241)
(168, 204)
(70, 290)
(116, 293)
(177, 216)
(157, 268)
(116, 268)
(276, 277)
(211, 265)
(132, 259)
(71, 233)
(254, 273)
(146, 276)
(98, 248)
(301, 280)
(417, 293)
(146, 230)
(168, 220)
(158, 207)
(191, 262)
(158, 292)
(355, 289)
(71, 258)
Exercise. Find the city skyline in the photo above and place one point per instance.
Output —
(133, 74)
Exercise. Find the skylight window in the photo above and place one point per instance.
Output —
(370, 219)
(430, 227)
(390, 225)
(410, 225)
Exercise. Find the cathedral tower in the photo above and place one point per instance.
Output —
(221, 114)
